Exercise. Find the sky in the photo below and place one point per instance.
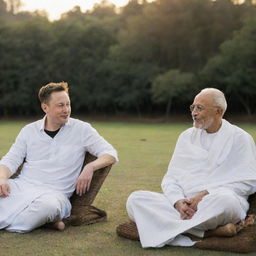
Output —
(55, 8)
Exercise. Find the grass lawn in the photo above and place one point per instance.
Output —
(144, 153)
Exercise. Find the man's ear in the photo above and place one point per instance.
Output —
(220, 111)
(44, 107)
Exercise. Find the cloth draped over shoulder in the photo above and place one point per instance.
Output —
(231, 159)
(223, 163)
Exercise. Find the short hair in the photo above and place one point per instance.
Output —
(45, 92)
(218, 98)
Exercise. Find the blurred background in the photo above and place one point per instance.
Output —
(137, 58)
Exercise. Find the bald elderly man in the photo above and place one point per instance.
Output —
(205, 190)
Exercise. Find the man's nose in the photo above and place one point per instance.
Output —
(194, 112)
(66, 108)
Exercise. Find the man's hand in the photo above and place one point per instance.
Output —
(185, 210)
(194, 201)
(5, 173)
(4, 188)
(84, 180)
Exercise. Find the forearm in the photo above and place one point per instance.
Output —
(102, 161)
(5, 172)
(85, 178)
(203, 193)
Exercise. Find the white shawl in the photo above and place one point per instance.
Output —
(230, 159)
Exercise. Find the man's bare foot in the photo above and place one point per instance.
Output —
(249, 220)
(231, 229)
(59, 225)
(227, 230)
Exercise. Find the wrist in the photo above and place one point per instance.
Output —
(204, 193)
(90, 166)
(178, 202)
(2, 180)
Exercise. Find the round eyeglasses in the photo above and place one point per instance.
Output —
(199, 108)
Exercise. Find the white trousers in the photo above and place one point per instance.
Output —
(159, 223)
(29, 207)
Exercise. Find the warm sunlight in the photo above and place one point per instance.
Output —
(55, 8)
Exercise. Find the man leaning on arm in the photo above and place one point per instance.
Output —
(205, 190)
(53, 151)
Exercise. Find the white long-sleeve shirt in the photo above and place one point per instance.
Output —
(55, 162)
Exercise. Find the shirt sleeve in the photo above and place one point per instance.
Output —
(170, 185)
(17, 153)
(171, 189)
(98, 146)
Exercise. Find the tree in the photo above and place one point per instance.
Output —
(24, 50)
(14, 5)
(170, 85)
(103, 9)
(234, 68)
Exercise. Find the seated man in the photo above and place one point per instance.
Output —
(53, 149)
(210, 176)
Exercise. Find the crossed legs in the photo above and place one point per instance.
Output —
(44, 209)
(216, 215)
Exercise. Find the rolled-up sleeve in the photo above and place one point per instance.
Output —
(97, 145)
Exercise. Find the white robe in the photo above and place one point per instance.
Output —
(227, 170)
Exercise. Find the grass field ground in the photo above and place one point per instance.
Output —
(144, 152)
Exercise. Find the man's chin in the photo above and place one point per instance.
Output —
(64, 120)
(198, 125)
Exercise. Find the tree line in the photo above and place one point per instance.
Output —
(142, 58)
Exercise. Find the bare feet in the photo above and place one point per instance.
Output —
(231, 229)
(59, 225)
(249, 220)
(227, 230)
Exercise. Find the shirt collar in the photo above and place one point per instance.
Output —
(42, 122)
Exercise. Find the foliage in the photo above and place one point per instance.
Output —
(170, 85)
(112, 58)
(234, 68)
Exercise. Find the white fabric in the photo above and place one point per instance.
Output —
(227, 168)
(159, 223)
(48, 207)
(52, 165)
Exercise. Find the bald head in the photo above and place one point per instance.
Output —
(216, 97)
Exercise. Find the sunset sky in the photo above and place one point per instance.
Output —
(56, 7)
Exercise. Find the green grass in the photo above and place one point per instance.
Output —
(144, 152)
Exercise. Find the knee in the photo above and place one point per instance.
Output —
(228, 202)
(230, 206)
(51, 207)
(136, 197)
(131, 199)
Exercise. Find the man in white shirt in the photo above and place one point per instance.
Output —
(53, 151)
(205, 190)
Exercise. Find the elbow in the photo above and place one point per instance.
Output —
(5, 172)
(112, 160)
(108, 159)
